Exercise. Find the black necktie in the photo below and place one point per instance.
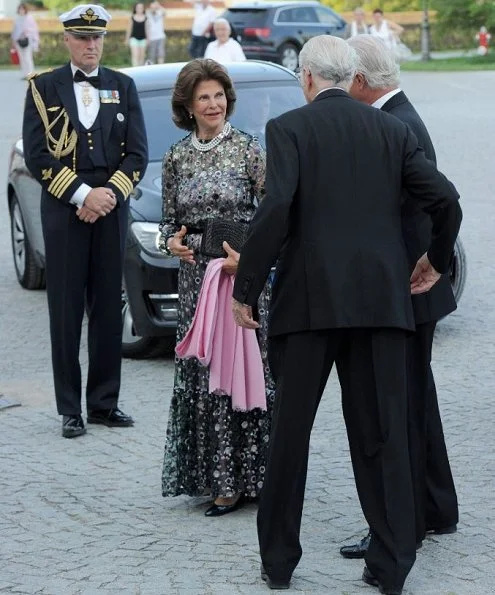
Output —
(80, 77)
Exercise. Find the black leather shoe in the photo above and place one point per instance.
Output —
(72, 426)
(112, 418)
(443, 530)
(221, 509)
(370, 579)
(358, 550)
(279, 585)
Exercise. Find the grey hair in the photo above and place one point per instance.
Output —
(222, 21)
(330, 59)
(376, 62)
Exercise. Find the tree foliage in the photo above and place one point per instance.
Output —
(465, 14)
(60, 6)
(385, 5)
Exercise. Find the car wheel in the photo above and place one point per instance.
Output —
(134, 346)
(29, 274)
(458, 270)
(289, 56)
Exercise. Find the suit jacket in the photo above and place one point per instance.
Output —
(51, 126)
(416, 225)
(336, 172)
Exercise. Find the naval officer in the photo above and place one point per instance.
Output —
(85, 142)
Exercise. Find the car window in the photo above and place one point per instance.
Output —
(299, 14)
(255, 105)
(327, 17)
(246, 17)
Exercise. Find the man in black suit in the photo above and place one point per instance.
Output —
(377, 84)
(85, 142)
(336, 171)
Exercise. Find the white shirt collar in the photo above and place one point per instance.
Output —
(328, 89)
(75, 69)
(381, 101)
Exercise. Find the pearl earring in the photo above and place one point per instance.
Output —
(191, 116)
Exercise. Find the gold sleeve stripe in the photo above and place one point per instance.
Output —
(61, 182)
(122, 182)
(66, 184)
(125, 181)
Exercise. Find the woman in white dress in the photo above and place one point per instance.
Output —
(224, 49)
(388, 31)
(25, 37)
(358, 26)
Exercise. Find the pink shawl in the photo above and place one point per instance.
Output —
(232, 352)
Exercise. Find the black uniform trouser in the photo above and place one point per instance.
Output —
(372, 371)
(83, 261)
(434, 491)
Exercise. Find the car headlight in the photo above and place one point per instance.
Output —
(147, 235)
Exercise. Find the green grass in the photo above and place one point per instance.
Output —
(452, 64)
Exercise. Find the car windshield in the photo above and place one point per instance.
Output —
(255, 105)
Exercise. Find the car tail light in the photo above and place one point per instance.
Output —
(258, 32)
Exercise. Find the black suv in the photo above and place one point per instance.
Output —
(276, 31)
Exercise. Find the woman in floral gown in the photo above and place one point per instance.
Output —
(216, 172)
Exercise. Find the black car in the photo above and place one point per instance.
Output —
(276, 31)
(149, 306)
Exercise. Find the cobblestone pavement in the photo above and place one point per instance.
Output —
(86, 516)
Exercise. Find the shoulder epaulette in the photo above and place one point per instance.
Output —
(33, 75)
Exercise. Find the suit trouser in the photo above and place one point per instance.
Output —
(83, 263)
(371, 367)
(434, 491)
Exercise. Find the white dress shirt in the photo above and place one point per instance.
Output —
(328, 89)
(87, 115)
(203, 18)
(230, 51)
(381, 101)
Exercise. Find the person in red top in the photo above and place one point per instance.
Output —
(483, 38)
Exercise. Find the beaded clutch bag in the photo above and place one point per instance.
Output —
(217, 231)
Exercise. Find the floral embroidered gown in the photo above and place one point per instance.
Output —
(211, 448)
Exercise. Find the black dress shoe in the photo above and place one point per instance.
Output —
(221, 509)
(443, 530)
(112, 418)
(358, 550)
(274, 584)
(72, 426)
(370, 579)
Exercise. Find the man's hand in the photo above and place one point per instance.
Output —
(177, 248)
(87, 215)
(101, 201)
(424, 276)
(232, 261)
(243, 315)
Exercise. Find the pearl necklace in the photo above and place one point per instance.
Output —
(215, 141)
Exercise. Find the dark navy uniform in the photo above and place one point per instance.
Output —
(84, 261)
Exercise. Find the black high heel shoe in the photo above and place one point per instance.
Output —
(221, 509)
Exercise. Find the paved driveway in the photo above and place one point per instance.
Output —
(86, 515)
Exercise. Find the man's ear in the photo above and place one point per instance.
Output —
(360, 80)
